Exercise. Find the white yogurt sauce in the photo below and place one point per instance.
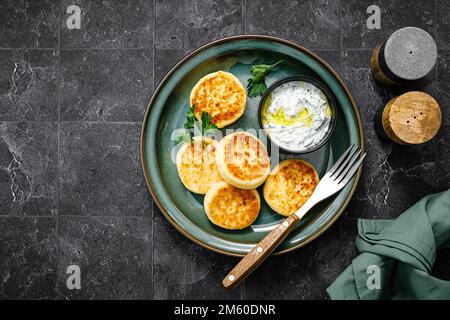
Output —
(296, 115)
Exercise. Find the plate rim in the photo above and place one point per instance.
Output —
(194, 53)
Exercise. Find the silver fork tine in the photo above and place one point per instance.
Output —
(348, 160)
(346, 178)
(347, 165)
(340, 160)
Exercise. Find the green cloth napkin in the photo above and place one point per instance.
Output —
(402, 251)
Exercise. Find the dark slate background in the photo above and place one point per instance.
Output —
(71, 103)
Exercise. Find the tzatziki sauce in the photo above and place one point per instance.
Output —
(296, 115)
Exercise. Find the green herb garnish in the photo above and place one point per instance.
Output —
(190, 124)
(256, 85)
(190, 118)
(185, 137)
(206, 123)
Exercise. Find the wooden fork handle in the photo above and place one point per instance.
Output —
(260, 252)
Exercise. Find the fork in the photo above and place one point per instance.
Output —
(332, 182)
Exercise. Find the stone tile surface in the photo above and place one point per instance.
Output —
(100, 170)
(28, 85)
(443, 85)
(29, 24)
(347, 241)
(105, 85)
(28, 168)
(394, 177)
(188, 24)
(314, 24)
(443, 24)
(302, 274)
(443, 156)
(184, 270)
(70, 170)
(165, 59)
(28, 254)
(109, 24)
(355, 33)
(332, 57)
(368, 94)
(114, 255)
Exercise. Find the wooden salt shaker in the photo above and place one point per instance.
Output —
(411, 118)
(408, 54)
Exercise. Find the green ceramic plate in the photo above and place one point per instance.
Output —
(167, 110)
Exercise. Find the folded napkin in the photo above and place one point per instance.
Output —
(400, 253)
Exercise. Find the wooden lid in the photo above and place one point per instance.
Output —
(412, 118)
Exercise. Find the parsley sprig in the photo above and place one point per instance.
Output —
(256, 85)
(190, 118)
(189, 124)
(206, 123)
